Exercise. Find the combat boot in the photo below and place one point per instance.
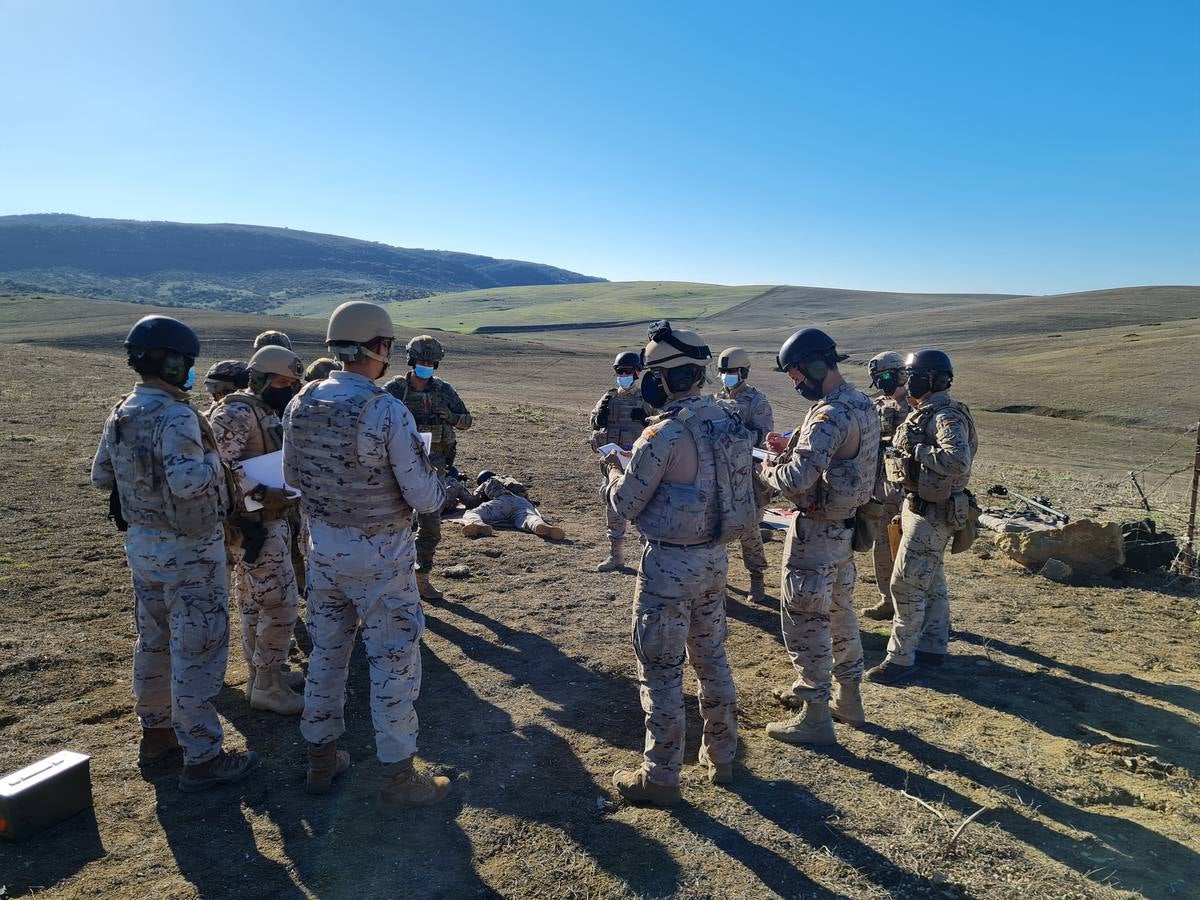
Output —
(847, 706)
(477, 529)
(758, 591)
(718, 773)
(293, 678)
(614, 561)
(272, 694)
(928, 658)
(549, 532)
(426, 589)
(813, 726)
(406, 785)
(157, 745)
(325, 762)
(888, 672)
(633, 786)
(224, 768)
(881, 611)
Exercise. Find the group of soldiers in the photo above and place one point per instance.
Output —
(361, 534)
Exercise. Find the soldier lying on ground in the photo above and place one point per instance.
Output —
(496, 501)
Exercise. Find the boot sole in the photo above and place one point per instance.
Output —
(846, 720)
(822, 742)
(195, 787)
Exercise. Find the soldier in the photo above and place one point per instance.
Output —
(618, 418)
(273, 339)
(887, 375)
(669, 491)
(501, 500)
(319, 369)
(437, 409)
(752, 406)
(355, 454)
(158, 456)
(930, 460)
(225, 377)
(827, 470)
(247, 425)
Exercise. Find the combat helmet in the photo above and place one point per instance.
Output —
(629, 359)
(276, 360)
(929, 371)
(319, 369)
(887, 370)
(425, 346)
(163, 347)
(225, 376)
(670, 349)
(355, 324)
(733, 358)
(272, 339)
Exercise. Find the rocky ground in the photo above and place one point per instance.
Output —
(1064, 726)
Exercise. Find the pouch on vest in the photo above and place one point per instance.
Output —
(966, 509)
(733, 461)
(868, 522)
(895, 531)
(895, 466)
(933, 487)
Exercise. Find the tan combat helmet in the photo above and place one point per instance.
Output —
(888, 361)
(425, 346)
(733, 358)
(319, 369)
(276, 360)
(670, 349)
(356, 323)
(272, 339)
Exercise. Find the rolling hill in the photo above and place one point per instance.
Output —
(244, 268)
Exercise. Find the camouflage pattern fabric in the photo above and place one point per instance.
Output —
(621, 428)
(892, 413)
(267, 597)
(360, 579)
(752, 407)
(507, 509)
(922, 617)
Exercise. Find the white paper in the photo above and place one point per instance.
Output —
(767, 455)
(623, 456)
(266, 470)
(427, 440)
(779, 519)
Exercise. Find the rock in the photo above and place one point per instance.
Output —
(493, 552)
(1087, 547)
(1056, 570)
(458, 572)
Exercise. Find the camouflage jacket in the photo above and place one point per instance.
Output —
(617, 409)
(437, 410)
(939, 434)
(752, 407)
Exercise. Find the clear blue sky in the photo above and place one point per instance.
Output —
(986, 146)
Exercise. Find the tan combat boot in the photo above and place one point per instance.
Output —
(272, 694)
(881, 611)
(633, 786)
(758, 591)
(157, 745)
(406, 785)
(224, 768)
(293, 678)
(325, 762)
(813, 726)
(477, 529)
(426, 588)
(847, 706)
(614, 561)
(549, 532)
(718, 773)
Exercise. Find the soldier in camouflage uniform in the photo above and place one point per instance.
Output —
(247, 425)
(827, 470)
(500, 500)
(436, 408)
(158, 456)
(225, 377)
(888, 376)
(618, 418)
(930, 460)
(754, 409)
(669, 491)
(355, 454)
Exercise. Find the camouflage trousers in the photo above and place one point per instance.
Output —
(820, 626)
(754, 554)
(429, 525)
(506, 510)
(363, 581)
(182, 620)
(267, 598)
(882, 549)
(922, 617)
(678, 613)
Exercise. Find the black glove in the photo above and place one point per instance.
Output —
(254, 536)
(114, 510)
(638, 415)
(602, 412)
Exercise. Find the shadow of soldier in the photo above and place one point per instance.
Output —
(41, 861)
(1129, 846)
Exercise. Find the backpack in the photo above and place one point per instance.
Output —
(733, 465)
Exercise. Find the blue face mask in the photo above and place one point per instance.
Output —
(729, 379)
(625, 382)
(190, 381)
(425, 372)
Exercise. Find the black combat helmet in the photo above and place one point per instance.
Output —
(630, 359)
(163, 333)
(484, 476)
(807, 344)
(929, 371)
(929, 361)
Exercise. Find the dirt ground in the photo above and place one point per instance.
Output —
(1067, 714)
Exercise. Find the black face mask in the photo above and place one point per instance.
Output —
(278, 398)
(919, 384)
(886, 382)
(653, 391)
(808, 390)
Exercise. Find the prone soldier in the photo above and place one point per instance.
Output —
(502, 500)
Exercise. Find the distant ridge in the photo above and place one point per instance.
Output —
(244, 268)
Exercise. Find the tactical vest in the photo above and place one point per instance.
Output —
(268, 437)
(622, 428)
(891, 415)
(426, 407)
(337, 487)
(849, 481)
(685, 513)
(919, 428)
(135, 449)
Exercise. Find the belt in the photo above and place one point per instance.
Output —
(671, 546)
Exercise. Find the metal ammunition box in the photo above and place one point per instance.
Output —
(44, 793)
